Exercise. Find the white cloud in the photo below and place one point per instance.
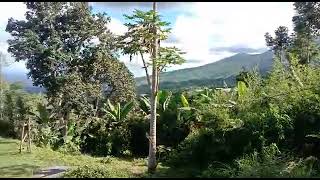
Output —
(11, 9)
(117, 27)
(8, 10)
(225, 24)
(203, 26)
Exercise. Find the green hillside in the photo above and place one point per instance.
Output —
(212, 74)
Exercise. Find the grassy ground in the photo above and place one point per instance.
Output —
(14, 164)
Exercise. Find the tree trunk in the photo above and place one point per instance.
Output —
(65, 126)
(152, 163)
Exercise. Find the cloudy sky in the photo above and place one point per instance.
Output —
(206, 31)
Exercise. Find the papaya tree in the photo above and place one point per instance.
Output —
(145, 32)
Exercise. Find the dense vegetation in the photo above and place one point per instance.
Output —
(265, 126)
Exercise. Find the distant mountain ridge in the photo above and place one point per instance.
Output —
(212, 74)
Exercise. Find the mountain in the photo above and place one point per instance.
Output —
(213, 74)
(21, 77)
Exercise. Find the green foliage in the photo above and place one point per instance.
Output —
(87, 171)
(265, 126)
(117, 113)
(9, 114)
(138, 126)
(242, 88)
(62, 57)
(45, 136)
(105, 137)
(264, 164)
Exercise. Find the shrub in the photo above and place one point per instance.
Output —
(264, 164)
(138, 142)
(207, 145)
(88, 171)
(4, 128)
(219, 170)
(44, 136)
(103, 138)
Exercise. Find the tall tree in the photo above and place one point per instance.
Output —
(306, 31)
(152, 163)
(145, 32)
(307, 17)
(3, 62)
(280, 44)
(59, 47)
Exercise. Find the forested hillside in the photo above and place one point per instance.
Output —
(213, 74)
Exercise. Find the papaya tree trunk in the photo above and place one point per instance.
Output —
(152, 163)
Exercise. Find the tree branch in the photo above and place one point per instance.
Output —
(146, 69)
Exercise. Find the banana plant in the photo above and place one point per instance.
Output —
(43, 116)
(185, 108)
(163, 100)
(118, 113)
(144, 104)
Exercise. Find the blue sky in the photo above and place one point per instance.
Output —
(206, 31)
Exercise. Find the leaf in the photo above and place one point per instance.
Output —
(144, 104)
(90, 135)
(313, 135)
(118, 112)
(184, 101)
(242, 88)
(206, 97)
(186, 108)
(111, 115)
(110, 105)
(126, 109)
(167, 101)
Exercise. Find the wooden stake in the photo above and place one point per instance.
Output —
(29, 137)
(22, 138)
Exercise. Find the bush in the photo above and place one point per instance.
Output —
(219, 170)
(138, 142)
(206, 145)
(44, 136)
(4, 128)
(88, 171)
(101, 138)
(264, 164)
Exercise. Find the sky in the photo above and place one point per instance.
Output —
(206, 31)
